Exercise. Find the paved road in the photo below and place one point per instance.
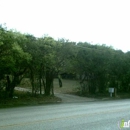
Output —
(97, 115)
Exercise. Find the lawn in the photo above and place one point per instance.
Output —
(69, 86)
(24, 98)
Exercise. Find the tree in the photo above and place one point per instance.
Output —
(92, 65)
(13, 59)
(54, 58)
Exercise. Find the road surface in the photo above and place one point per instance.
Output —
(97, 115)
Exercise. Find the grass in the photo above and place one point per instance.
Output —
(24, 98)
(69, 86)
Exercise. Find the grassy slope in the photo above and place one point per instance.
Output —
(25, 98)
(69, 86)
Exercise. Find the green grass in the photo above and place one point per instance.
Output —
(69, 86)
(24, 99)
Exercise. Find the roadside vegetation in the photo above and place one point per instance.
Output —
(35, 63)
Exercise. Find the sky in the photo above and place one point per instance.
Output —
(94, 21)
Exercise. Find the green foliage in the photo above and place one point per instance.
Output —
(42, 59)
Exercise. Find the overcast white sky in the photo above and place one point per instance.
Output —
(96, 21)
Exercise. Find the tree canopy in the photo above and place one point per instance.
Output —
(97, 67)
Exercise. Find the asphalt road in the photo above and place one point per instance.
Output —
(96, 115)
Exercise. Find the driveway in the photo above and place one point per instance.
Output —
(73, 98)
(65, 97)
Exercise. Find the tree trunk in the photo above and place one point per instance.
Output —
(12, 85)
(48, 87)
(32, 81)
(40, 77)
(8, 83)
(44, 84)
(60, 81)
(49, 82)
(40, 86)
(52, 88)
